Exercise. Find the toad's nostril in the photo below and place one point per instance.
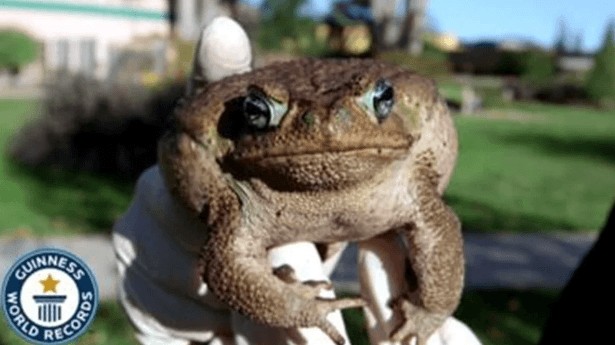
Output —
(309, 119)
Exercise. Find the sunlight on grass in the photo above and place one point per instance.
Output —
(549, 168)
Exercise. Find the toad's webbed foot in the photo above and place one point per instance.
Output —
(418, 322)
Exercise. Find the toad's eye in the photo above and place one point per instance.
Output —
(379, 100)
(257, 110)
(262, 112)
(383, 99)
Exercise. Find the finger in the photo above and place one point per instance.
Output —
(329, 329)
(319, 284)
(403, 333)
(381, 274)
(223, 49)
(306, 263)
(343, 303)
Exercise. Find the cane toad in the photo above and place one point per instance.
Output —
(324, 151)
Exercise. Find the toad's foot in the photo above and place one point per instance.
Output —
(418, 322)
(317, 309)
(309, 289)
(316, 314)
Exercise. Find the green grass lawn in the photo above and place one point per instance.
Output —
(532, 167)
(501, 317)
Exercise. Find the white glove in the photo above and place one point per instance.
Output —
(157, 244)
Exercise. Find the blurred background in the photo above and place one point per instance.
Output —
(86, 87)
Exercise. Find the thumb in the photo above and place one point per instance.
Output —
(223, 49)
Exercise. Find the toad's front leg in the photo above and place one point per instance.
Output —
(238, 273)
(234, 261)
(436, 257)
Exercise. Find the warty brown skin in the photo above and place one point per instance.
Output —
(330, 171)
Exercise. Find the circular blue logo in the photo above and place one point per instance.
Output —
(49, 296)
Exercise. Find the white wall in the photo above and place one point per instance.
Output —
(80, 30)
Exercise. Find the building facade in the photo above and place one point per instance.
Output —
(87, 36)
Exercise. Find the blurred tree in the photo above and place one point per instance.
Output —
(601, 80)
(280, 20)
(283, 28)
(561, 42)
(538, 68)
(577, 47)
(16, 50)
(415, 22)
(172, 4)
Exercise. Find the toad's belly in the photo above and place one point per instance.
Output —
(342, 216)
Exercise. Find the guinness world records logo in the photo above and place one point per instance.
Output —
(49, 296)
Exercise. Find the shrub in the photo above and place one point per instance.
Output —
(283, 29)
(510, 63)
(87, 125)
(601, 80)
(562, 93)
(16, 50)
(538, 68)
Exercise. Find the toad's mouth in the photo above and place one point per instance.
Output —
(365, 151)
(324, 169)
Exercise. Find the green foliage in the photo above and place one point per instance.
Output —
(562, 37)
(90, 125)
(538, 68)
(601, 80)
(533, 66)
(283, 29)
(16, 49)
(510, 63)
